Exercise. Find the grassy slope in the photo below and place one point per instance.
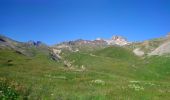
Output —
(121, 75)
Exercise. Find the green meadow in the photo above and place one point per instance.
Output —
(112, 73)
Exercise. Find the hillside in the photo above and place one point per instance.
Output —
(116, 52)
(107, 73)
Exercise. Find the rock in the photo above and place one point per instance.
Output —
(78, 45)
(138, 52)
(36, 44)
(55, 54)
(2, 40)
(56, 51)
(162, 49)
(55, 57)
(117, 40)
(67, 64)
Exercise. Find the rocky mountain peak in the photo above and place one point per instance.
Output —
(117, 40)
(116, 37)
(80, 44)
(35, 43)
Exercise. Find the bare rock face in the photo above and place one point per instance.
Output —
(56, 51)
(117, 40)
(55, 54)
(138, 52)
(162, 49)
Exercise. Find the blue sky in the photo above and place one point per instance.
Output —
(54, 21)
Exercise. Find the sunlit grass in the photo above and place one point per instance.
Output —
(107, 77)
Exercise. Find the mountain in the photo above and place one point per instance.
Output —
(117, 40)
(164, 48)
(86, 45)
(7, 42)
(93, 44)
(157, 46)
(102, 69)
(26, 48)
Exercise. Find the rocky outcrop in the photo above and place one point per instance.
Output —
(138, 52)
(117, 40)
(55, 54)
(162, 49)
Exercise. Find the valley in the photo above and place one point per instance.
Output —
(80, 70)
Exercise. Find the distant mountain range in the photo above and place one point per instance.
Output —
(26, 48)
(106, 69)
(159, 46)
